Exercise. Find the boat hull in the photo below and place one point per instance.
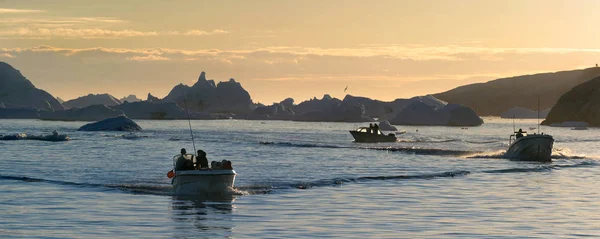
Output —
(203, 182)
(531, 148)
(363, 137)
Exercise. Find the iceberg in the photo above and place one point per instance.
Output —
(430, 111)
(386, 126)
(120, 123)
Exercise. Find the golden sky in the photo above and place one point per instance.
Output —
(300, 49)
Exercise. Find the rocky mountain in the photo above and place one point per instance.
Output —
(205, 96)
(16, 91)
(581, 103)
(92, 99)
(497, 96)
(130, 99)
(152, 98)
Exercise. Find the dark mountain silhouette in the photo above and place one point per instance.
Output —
(130, 99)
(152, 98)
(16, 91)
(582, 103)
(205, 96)
(92, 99)
(497, 96)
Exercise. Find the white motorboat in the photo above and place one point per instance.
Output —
(534, 147)
(203, 181)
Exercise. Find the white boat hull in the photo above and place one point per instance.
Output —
(537, 147)
(203, 182)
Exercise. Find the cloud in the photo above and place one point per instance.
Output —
(283, 54)
(204, 33)
(13, 10)
(73, 33)
(7, 55)
(147, 58)
(90, 33)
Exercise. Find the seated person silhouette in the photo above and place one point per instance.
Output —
(201, 160)
(183, 163)
(519, 133)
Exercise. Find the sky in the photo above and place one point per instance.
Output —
(301, 49)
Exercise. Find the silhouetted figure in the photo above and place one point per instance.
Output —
(370, 130)
(201, 160)
(375, 128)
(519, 133)
(182, 163)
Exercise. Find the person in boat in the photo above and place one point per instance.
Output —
(519, 133)
(182, 163)
(201, 160)
(375, 128)
(370, 130)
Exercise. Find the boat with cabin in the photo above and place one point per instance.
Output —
(371, 135)
(533, 147)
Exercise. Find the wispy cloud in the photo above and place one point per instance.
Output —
(281, 54)
(13, 10)
(147, 58)
(7, 55)
(73, 33)
(204, 33)
(92, 33)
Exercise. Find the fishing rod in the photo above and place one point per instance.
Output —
(189, 120)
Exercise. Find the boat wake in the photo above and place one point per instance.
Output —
(408, 150)
(132, 188)
(300, 145)
(557, 153)
(266, 188)
(424, 151)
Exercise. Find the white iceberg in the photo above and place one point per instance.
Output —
(428, 110)
(386, 126)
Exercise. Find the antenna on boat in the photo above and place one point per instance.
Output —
(514, 129)
(187, 112)
(538, 115)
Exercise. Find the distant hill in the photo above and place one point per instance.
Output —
(92, 99)
(497, 96)
(582, 103)
(18, 92)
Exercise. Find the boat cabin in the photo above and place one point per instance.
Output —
(369, 130)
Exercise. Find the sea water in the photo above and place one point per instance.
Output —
(298, 180)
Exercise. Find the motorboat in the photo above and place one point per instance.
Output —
(217, 180)
(371, 135)
(533, 147)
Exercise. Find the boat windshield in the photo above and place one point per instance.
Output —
(367, 130)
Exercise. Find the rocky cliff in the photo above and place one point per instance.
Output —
(18, 92)
(581, 103)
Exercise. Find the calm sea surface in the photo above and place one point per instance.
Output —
(299, 180)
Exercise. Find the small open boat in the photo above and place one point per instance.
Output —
(534, 147)
(203, 181)
(371, 135)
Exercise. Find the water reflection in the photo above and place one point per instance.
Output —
(210, 215)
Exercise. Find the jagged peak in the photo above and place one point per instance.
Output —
(202, 76)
